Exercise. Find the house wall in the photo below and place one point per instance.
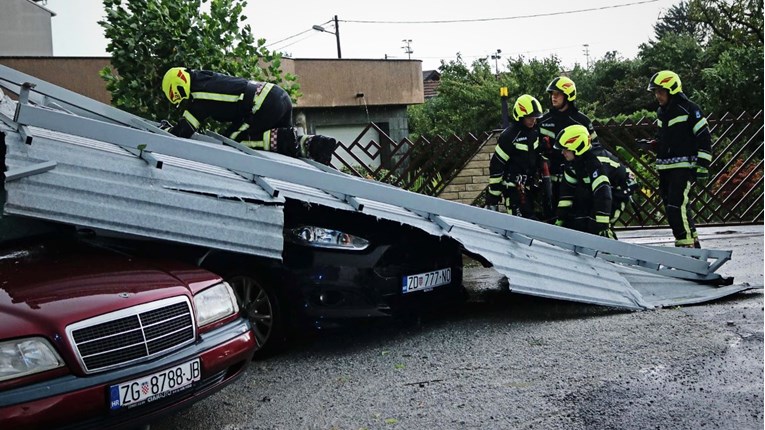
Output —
(78, 74)
(25, 28)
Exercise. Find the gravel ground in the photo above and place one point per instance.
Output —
(507, 361)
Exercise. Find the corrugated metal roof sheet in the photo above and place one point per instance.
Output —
(102, 186)
(201, 196)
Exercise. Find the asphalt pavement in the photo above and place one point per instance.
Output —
(507, 361)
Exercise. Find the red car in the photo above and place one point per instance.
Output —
(94, 339)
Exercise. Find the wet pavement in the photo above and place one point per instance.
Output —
(511, 361)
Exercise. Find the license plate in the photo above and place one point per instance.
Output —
(155, 386)
(426, 281)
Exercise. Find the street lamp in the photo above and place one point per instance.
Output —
(336, 33)
(495, 56)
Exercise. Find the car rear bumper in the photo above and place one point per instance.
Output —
(339, 286)
(73, 402)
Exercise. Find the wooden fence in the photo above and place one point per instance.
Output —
(733, 195)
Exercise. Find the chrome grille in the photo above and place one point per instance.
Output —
(134, 334)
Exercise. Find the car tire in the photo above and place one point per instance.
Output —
(261, 305)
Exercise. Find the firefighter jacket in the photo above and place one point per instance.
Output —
(684, 140)
(621, 178)
(517, 158)
(221, 97)
(551, 123)
(587, 175)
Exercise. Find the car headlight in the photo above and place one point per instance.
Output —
(27, 356)
(320, 237)
(215, 303)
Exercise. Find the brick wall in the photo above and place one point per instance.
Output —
(474, 177)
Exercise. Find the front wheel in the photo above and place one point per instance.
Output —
(260, 305)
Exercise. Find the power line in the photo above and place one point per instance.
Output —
(463, 20)
(454, 21)
(294, 42)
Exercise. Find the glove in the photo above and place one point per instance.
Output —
(702, 176)
(165, 125)
(518, 180)
(321, 148)
(559, 222)
(600, 228)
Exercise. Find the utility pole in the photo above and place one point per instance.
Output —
(337, 37)
(495, 56)
(407, 47)
(587, 54)
(336, 33)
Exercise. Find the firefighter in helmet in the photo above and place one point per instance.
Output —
(585, 191)
(563, 113)
(259, 113)
(516, 161)
(683, 153)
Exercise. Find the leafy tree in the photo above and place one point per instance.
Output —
(468, 101)
(532, 77)
(468, 97)
(677, 20)
(610, 87)
(735, 82)
(735, 21)
(147, 37)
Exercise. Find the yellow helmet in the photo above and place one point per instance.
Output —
(575, 138)
(176, 84)
(564, 85)
(526, 105)
(666, 79)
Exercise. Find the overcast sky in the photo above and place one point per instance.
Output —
(438, 31)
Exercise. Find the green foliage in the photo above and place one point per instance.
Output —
(147, 37)
(737, 22)
(470, 101)
(678, 20)
(732, 85)
(468, 97)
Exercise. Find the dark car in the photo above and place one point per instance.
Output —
(339, 266)
(95, 339)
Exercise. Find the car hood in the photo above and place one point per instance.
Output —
(43, 288)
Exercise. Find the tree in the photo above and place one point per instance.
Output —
(468, 101)
(612, 86)
(147, 37)
(735, 21)
(468, 97)
(677, 20)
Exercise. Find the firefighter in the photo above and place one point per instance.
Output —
(563, 113)
(585, 191)
(259, 113)
(683, 153)
(516, 161)
(622, 180)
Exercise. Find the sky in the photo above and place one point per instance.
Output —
(574, 31)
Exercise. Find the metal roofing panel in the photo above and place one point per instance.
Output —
(99, 185)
